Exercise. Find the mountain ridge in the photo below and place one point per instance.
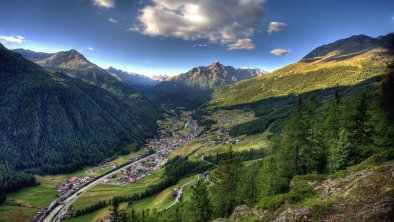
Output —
(56, 123)
(195, 86)
(76, 65)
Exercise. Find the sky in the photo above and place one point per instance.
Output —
(156, 37)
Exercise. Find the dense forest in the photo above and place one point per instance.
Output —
(11, 181)
(52, 123)
(319, 139)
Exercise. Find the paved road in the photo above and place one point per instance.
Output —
(60, 210)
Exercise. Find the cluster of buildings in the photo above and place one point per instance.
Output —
(73, 184)
(142, 169)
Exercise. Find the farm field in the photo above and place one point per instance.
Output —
(107, 191)
(24, 204)
(159, 201)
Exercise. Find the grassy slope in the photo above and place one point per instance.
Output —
(303, 77)
(159, 201)
(355, 194)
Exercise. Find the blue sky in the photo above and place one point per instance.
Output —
(172, 36)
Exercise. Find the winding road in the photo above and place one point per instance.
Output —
(56, 214)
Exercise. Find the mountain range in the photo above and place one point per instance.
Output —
(195, 87)
(75, 65)
(54, 123)
(136, 81)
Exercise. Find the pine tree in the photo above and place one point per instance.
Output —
(384, 113)
(115, 209)
(339, 152)
(293, 140)
(249, 189)
(225, 184)
(312, 153)
(273, 179)
(359, 130)
(200, 204)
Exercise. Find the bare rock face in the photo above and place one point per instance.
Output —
(333, 186)
(292, 215)
(243, 211)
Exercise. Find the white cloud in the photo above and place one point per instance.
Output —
(223, 22)
(242, 44)
(135, 28)
(12, 39)
(91, 49)
(280, 52)
(276, 27)
(392, 19)
(200, 45)
(104, 3)
(113, 20)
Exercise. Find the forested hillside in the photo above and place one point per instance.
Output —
(273, 95)
(75, 65)
(52, 123)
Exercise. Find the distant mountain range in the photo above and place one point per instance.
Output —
(134, 80)
(195, 87)
(75, 65)
(55, 123)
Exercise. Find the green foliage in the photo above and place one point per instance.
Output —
(242, 156)
(296, 195)
(338, 156)
(11, 181)
(272, 202)
(272, 180)
(56, 124)
(199, 203)
(2, 198)
(223, 190)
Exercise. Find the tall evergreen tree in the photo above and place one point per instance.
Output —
(225, 184)
(115, 212)
(249, 187)
(339, 152)
(359, 129)
(273, 179)
(293, 140)
(200, 205)
(312, 153)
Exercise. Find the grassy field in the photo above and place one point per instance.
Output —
(257, 141)
(159, 201)
(23, 205)
(107, 191)
(30, 200)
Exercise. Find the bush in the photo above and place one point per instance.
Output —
(272, 202)
(297, 193)
(300, 192)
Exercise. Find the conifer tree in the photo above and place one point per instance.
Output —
(312, 153)
(293, 140)
(339, 152)
(225, 184)
(200, 205)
